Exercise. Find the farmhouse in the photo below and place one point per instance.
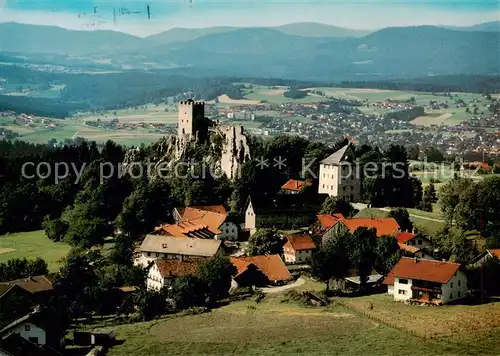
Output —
(338, 176)
(418, 241)
(484, 257)
(215, 217)
(426, 281)
(298, 248)
(163, 272)
(187, 229)
(36, 328)
(294, 186)
(169, 247)
(259, 271)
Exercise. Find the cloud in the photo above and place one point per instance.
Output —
(367, 15)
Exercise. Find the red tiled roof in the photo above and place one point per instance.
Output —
(423, 270)
(177, 268)
(271, 266)
(301, 242)
(404, 237)
(327, 221)
(187, 229)
(219, 209)
(296, 185)
(387, 226)
(203, 217)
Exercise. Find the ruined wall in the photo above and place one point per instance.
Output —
(235, 150)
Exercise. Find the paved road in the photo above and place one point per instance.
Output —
(295, 284)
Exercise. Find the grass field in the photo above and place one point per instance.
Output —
(277, 326)
(32, 245)
(431, 322)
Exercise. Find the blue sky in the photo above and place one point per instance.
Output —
(364, 14)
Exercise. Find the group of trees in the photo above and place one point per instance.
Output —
(359, 252)
(22, 268)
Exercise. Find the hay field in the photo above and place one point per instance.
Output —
(431, 119)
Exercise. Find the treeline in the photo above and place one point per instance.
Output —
(38, 106)
(406, 114)
(437, 84)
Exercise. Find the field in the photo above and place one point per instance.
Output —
(32, 245)
(278, 326)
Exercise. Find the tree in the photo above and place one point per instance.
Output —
(331, 261)
(54, 229)
(362, 246)
(430, 194)
(333, 205)
(150, 304)
(22, 268)
(449, 197)
(186, 292)
(216, 274)
(402, 217)
(386, 254)
(264, 242)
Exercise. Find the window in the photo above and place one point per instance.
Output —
(402, 281)
(459, 283)
(419, 242)
(27, 327)
(402, 291)
(149, 254)
(459, 294)
(323, 185)
(33, 340)
(451, 285)
(451, 295)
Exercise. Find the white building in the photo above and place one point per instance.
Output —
(485, 257)
(155, 247)
(298, 248)
(163, 272)
(250, 219)
(339, 176)
(426, 281)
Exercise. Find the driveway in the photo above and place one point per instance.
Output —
(295, 284)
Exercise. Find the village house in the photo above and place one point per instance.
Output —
(298, 248)
(426, 281)
(36, 289)
(423, 245)
(338, 175)
(384, 226)
(36, 328)
(259, 271)
(163, 272)
(187, 229)
(170, 247)
(294, 186)
(214, 217)
(485, 257)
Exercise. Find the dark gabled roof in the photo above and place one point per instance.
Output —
(337, 156)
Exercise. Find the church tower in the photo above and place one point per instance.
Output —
(190, 111)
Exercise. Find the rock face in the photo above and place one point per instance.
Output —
(225, 151)
(235, 149)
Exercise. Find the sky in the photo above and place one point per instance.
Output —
(166, 14)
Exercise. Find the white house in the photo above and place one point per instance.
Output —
(418, 241)
(162, 272)
(34, 327)
(155, 247)
(298, 248)
(339, 176)
(426, 281)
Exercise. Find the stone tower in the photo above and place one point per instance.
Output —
(190, 111)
